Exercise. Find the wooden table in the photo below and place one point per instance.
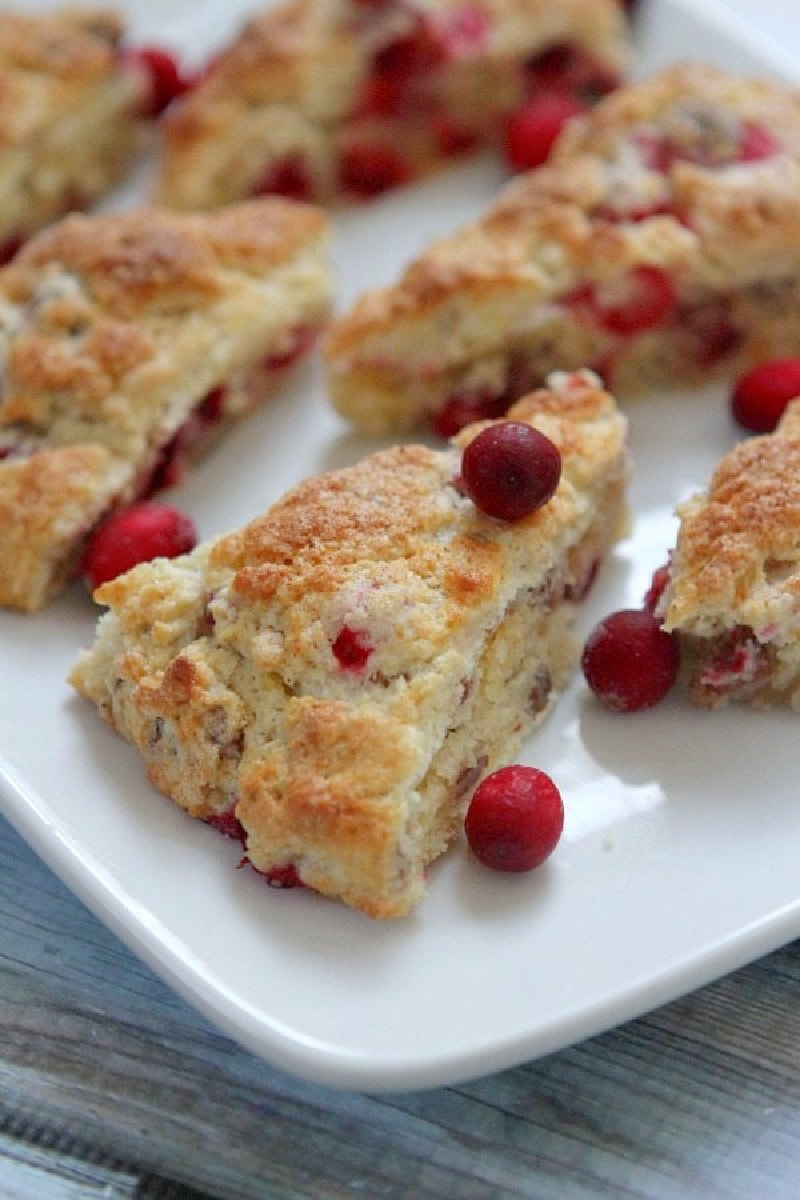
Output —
(110, 1086)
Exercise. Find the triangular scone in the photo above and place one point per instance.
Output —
(128, 342)
(733, 597)
(71, 115)
(332, 99)
(332, 680)
(661, 247)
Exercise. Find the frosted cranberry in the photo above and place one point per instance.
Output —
(464, 408)
(165, 82)
(289, 177)
(515, 819)
(510, 469)
(762, 394)
(629, 661)
(352, 649)
(366, 170)
(646, 297)
(134, 535)
(531, 132)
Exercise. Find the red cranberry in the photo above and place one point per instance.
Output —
(463, 31)
(762, 394)
(284, 877)
(10, 247)
(657, 587)
(647, 298)
(165, 82)
(756, 143)
(629, 661)
(228, 824)
(134, 535)
(451, 138)
(531, 132)
(464, 408)
(366, 171)
(510, 469)
(515, 819)
(301, 341)
(352, 649)
(289, 177)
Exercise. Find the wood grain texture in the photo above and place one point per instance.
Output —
(700, 1098)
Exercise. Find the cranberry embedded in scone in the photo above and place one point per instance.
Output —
(135, 535)
(352, 649)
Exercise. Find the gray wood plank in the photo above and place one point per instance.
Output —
(700, 1098)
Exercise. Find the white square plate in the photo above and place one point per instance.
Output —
(682, 839)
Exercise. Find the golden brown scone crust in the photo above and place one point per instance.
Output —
(339, 673)
(526, 289)
(290, 84)
(70, 114)
(113, 328)
(734, 592)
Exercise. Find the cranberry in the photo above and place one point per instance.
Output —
(301, 341)
(463, 408)
(531, 132)
(228, 824)
(510, 469)
(134, 535)
(453, 139)
(10, 247)
(756, 143)
(646, 298)
(629, 661)
(515, 819)
(380, 96)
(366, 171)
(463, 31)
(165, 82)
(761, 394)
(416, 52)
(289, 177)
(657, 587)
(284, 877)
(352, 649)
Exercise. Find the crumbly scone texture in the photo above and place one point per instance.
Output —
(733, 597)
(334, 678)
(661, 247)
(113, 330)
(70, 114)
(308, 81)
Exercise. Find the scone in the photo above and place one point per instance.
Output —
(661, 246)
(331, 681)
(71, 115)
(128, 341)
(341, 99)
(733, 596)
